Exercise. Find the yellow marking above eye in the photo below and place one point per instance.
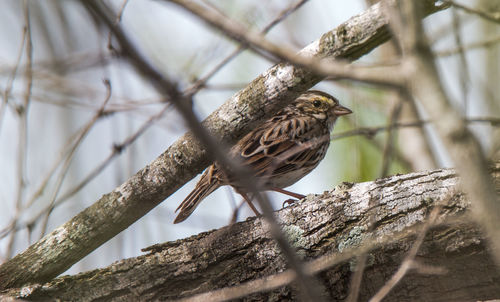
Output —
(322, 101)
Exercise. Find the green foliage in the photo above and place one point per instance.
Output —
(359, 158)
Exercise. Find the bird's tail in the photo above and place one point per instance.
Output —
(203, 188)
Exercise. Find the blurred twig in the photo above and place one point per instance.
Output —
(116, 150)
(463, 74)
(22, 111)
(372, 131)
(388, 76)
(10, 81)
(464, 149)
(202, 81)
(69, 157)
(471, 46)
(391, 134)
(313, 267)
(493, 17)
(168, 89)
(409, 260)
(118, 19)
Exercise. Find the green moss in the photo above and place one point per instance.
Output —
(296, 238)
(353, 239)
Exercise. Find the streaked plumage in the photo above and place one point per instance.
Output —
(280, 151)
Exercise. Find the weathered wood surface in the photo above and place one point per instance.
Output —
(389, 210)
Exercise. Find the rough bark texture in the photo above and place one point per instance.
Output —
(336, 221)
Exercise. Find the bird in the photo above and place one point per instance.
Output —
(279, 151)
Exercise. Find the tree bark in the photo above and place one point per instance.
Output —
(384, 216)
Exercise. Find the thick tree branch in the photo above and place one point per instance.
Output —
(118, 209)
(329, 231)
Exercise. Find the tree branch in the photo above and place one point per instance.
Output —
(329, 231)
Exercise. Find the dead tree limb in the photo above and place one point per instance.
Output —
(381, 218)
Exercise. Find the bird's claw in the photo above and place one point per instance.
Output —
(288, 203)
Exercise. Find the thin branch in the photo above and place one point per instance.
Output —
(388, 76)
(370, 132)
(493, 121)
(69, 157)
(169, 90)
(464, 149)
(68, 150)
(493, 17)
(467, 47)
(408, 261)
(22, 111)
(202, 82)
(463, 75)
(118, 19)
(391, 134)
(10, 81)
(116, 150)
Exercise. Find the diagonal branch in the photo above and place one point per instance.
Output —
(315, 57)
(464, 149)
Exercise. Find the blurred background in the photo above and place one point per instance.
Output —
(58, 155)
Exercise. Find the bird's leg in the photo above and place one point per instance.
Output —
(249, 201)
(234, 218)
(282, 191)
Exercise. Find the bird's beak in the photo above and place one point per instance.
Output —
(341, 110)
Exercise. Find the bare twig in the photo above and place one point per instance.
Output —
(117, 20)
(485, 15)
(463, 75)
(372, 131)
(467, 47)
(69, 157)
(493, 121)
(202, 82)
(391, 134)
(22, 111)
(66, 156)
(382, 76)
(12, 76)
(116, 150)
(462, 146)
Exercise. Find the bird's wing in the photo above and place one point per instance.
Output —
(280, 145)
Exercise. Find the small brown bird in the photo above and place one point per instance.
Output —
(280, 151)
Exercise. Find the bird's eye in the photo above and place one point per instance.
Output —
(316, 103)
